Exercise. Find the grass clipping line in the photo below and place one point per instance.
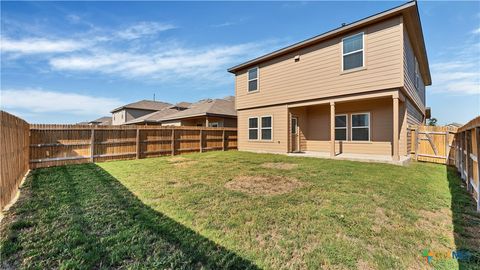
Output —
(261, 185)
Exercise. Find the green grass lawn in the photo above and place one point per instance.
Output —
(229, 210)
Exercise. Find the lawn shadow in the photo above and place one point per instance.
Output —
(466, 221)
(94, 221)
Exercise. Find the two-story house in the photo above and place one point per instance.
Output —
(354, 89)
(126, 113)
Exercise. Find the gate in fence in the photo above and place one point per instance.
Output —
(433, 144)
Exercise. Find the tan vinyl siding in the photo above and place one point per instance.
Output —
(318, 74)
(381, 127)
(279, 130)
(403, 141)
(418, 95)
(414, 117)
(374, 148)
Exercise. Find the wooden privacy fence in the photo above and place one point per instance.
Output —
(451, 146)
(433, 143)
(467, 148)
(14, 146)
(53, 145)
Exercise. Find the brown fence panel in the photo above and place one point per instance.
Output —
(458, 147)
(433, 143)
(53, 145)
(14, 157)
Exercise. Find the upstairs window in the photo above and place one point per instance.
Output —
(352, 51)
(361, 127)
(417, 75)
(341, 127)
(253, 128)
(266, 131)
(253, 79)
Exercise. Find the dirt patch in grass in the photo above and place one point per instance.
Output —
(280, 165)
(380, 220)
(262, 185)
(185, 164)
(181, 162)
(177, 159)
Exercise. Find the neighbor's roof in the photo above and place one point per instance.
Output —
(455, 124)
(105, 120)
(183, 104)
(154, 117)
(411, 19)
(149, 105)
(212, 107)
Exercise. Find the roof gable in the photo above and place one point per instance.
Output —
(412, 21)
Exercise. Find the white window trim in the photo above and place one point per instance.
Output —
(258, 80)
(261, 128)
(369, 124)
(346, 127)
(257, 128)
(363, 52)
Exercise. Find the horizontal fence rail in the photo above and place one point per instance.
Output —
(459, 147)
(14, 147)
(54, 145)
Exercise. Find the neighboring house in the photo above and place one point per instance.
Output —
(105, 120)
(455, 125)
(208, 112)
(153, 118)
(123, 114)
(353, 90)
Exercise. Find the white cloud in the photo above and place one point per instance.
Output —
(143, 29)
(43, 101)
(116, 52)
(458, 73)
(40, 45)
(476, 31)
(170, 62)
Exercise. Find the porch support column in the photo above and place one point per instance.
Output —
(396, 116)
(332, 129)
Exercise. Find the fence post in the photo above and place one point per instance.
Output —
(477, 137)
(447, 148)
(416, 143)
(223, 140)
(462, 147)
(467, 157)
(138, 144)
(201, 141)
(173, 141)
(92, 145)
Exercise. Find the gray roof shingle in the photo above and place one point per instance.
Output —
(148, 105)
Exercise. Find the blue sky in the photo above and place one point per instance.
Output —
(65, 62)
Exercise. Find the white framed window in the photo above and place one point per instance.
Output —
(417, 75)
(266, 128)
(353, 52)
(215, 124)
(253, 79)
(360, 126)
(341, 130)
(253, 128)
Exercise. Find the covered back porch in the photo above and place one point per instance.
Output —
(370, 127)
